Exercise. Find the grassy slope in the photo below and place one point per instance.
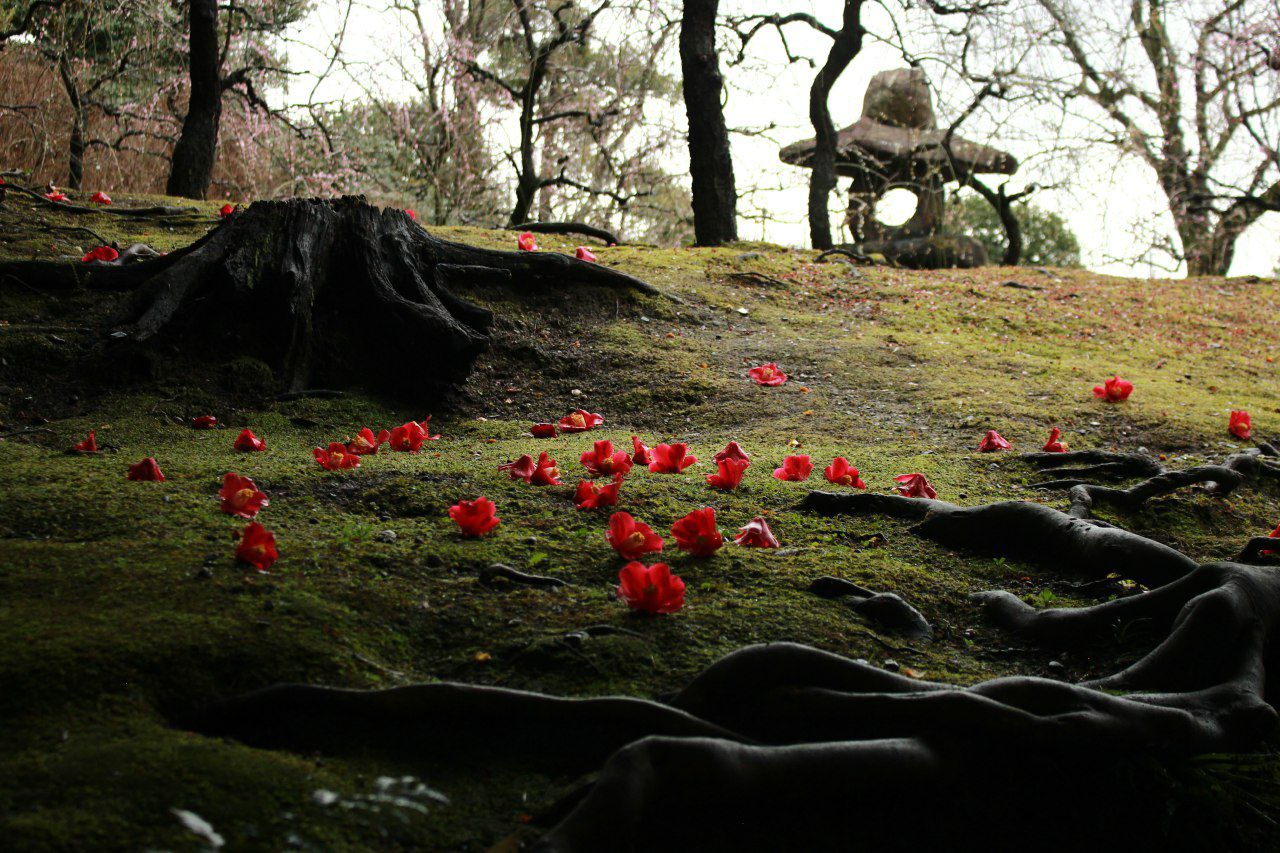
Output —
(120, 603)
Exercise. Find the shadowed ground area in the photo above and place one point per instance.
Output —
(121, 607)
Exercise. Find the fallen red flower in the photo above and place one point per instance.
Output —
(101, 253)
(148, 469)
(768, 374)
(590, 496)
(697, 534)
(239, 496)
(992, 442)
(728, 473)
(476, 518)
(407, 438)
(1275, 534)
(411, 213)
(650, 589)
(603, 461)
(756, 534)
(543, 430)
(257, 547)
(842, 473)
(914, 486)
(794, 468)
(1114, 390)
(100, 198)
(226, 211)
(541, 473)
(248, 442)
(1053, 445)
(582, 253)
(336, 457)
(204, 422)
(89, 445)
(732, 450)
(55, 196)
(630, 538)
(526, 242)
(671, 459)
(366, 443)
(580, 420)
(642, 455)
(1240, 425)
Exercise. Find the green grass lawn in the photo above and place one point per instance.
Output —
(121, 605)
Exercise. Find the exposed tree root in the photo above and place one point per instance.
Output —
(1219, 480)
(580, 228)
(322, 289)
(491, 574)
(885, 608)
(785, 744)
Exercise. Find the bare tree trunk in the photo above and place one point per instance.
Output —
(715, 197)
(79, 119)
(1002, 203)
(197, 148)
(822, 180)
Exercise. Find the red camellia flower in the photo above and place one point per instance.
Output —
(366, 443)
(336, 458)
(582, 253)
(794, 468)
(55, 196)
(411, 213)
(89, 445)
(642, 455)
(671, 459)
(697, 534)
(580, 420)
(226, 211)
(239, 496)
(1054, 445)
(476, 518)
(842, 473)
(650, 589)
(541, 473)
(407, 438)
(992, 442)
(204, 422)
(914, 486)
(756, 534)
(768, 374)
(1275, 534)
(630, 538)
(1114, 390)
(728, 474)
(604, 461)
(543, 430)
(732, 450)
(101, 253)
(248, 442)
(526, 242)
(425, 423)
(590, 496)
(1240, 425)
(100, 198)
(257, 547)
(147, 469)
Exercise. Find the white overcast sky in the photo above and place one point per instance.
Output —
(1104, 201)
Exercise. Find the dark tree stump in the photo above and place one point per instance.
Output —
(326, 291)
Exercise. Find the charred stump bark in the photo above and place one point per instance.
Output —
(328, 292)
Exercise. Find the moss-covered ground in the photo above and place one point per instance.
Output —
(121, 606)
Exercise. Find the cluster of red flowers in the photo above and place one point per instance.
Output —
(240, 497)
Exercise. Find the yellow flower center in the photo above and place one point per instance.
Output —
(577, 420)
(766, 372)
(635, 540)
(242, 497)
